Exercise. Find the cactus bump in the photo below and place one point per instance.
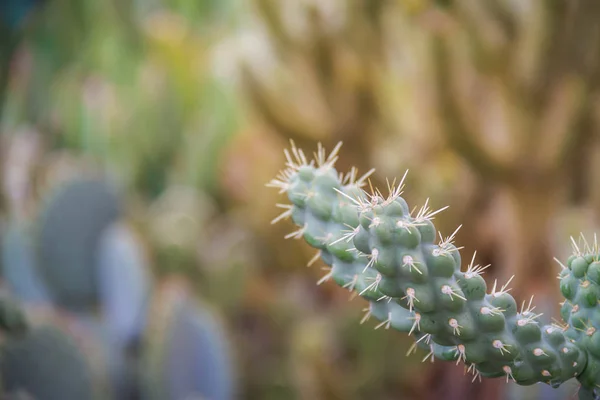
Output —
(377, 248)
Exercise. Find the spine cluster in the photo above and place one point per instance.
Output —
(580, 285)
(377, 248)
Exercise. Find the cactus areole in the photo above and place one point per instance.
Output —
(376, 247)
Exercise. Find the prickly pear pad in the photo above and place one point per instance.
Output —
(377, 248)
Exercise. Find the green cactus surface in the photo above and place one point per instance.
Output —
(375, 246)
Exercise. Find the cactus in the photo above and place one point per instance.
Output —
(124, 284)
(185, 354)
(44, 364)
(13, 322)
(19, 270)
(125, 288)
(112, 371)
(376, 247)
(71, 228)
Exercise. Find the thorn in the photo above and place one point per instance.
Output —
(367, 315)
(373, 286)
(416, 324)
(410, 298)
(562, 266)
(474, 270)
(460, 352)
(360, 203)
(408, 261)
(296, 159)
(425, 213)
(563, 326)
(394, 191)
(476, 374)
(586, 246)
(326, 277)
(508, 371)
(589, 328)
(282, 180)
(375, 222)
(412, 349)
(387, 322)
(362, 181)
(425, 338)
(385, 298)
(354, 250)
(372, 259)
(350, 285)
(447, 289)
(314, 258)
(446, 243)
(531, 319)
(406, 225)
(350, 179)
(284, 215)
(527, 312)
(503, 289)
(539, 352)
(348, 235)
(576, 251)
(325, 162)
(297, 234)
(430, 354)
(491, 310)
(497, 344)
(455, 326)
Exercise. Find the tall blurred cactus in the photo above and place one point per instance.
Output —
(536, 73)
(340, 57)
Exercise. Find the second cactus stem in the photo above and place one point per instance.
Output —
(391, 257)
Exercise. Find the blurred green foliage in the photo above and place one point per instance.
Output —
(130, 86)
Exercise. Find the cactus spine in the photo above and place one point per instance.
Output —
(378, 249)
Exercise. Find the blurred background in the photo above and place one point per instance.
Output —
(137, 138)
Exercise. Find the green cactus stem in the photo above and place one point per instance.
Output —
(376, 247)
